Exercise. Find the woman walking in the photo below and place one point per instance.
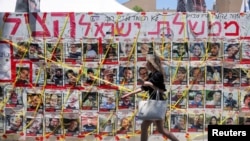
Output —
(154, 81)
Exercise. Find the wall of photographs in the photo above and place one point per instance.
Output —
(73, 94)
(67, 88)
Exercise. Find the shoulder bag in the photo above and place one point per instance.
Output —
(151, 109)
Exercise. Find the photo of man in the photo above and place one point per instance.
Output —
(21, 50)
(36, 52)
(23, 76)
(109, 76)
(53, 101)
(178, 122)
(35, 102)
(71, 101)
(14, 97)
(14, 123)
(89, 123)
(230, 102)
(126, 75)
(179, 75)
(74, 51)
(56, 76)
(195, 99)
(142, 75)
(90, 51)
(53, 125)
(35, 127)
(71, 124)
(231, 77)
(214, 51)
(90, 126)
(89, 100)
(180, 52)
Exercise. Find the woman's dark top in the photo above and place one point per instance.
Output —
(158, 81)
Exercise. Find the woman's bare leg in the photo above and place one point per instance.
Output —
(144, 129)
(162, 130)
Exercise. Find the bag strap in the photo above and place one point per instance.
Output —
(156, 91)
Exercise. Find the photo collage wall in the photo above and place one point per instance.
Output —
(75, 88)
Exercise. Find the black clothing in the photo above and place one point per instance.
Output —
(157, 79)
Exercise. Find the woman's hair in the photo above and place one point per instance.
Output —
(155, 61)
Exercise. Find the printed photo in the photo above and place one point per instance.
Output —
(195, 122)
(180, 51)
(127, 51)
(230, 99)
(107, 101)
(245, 75)
(196, 98)
(91, 52)
(90, 71)
(110, 52)
(34, 101)
(127, 102)
(178, 122)
(36, 51)
(89, 100)
(54, 52)
(13, 121)
(14, 97)
(73, 52)
(179, 96)
(232, 52)
(21, 51)
(71, 101)
(197, 51)
(23, 75)
(53, 100)
(212, 117)
(107, 123)
(142, 72)
(38, 73)
(245, 100)
(54, 75)
(72, 77)
(214, 72)
(126, 74)
(213, 97)
(245, 53)
(34, 125)
(53, 124)
(214, 51)
(89, 122)
(179, 74)
(231, 76)
(144, 49)
(71, 124)
(108, 75)
(197, 73)
(125, 122)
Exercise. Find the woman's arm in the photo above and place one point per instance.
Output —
(133, 92)
(150, 84)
